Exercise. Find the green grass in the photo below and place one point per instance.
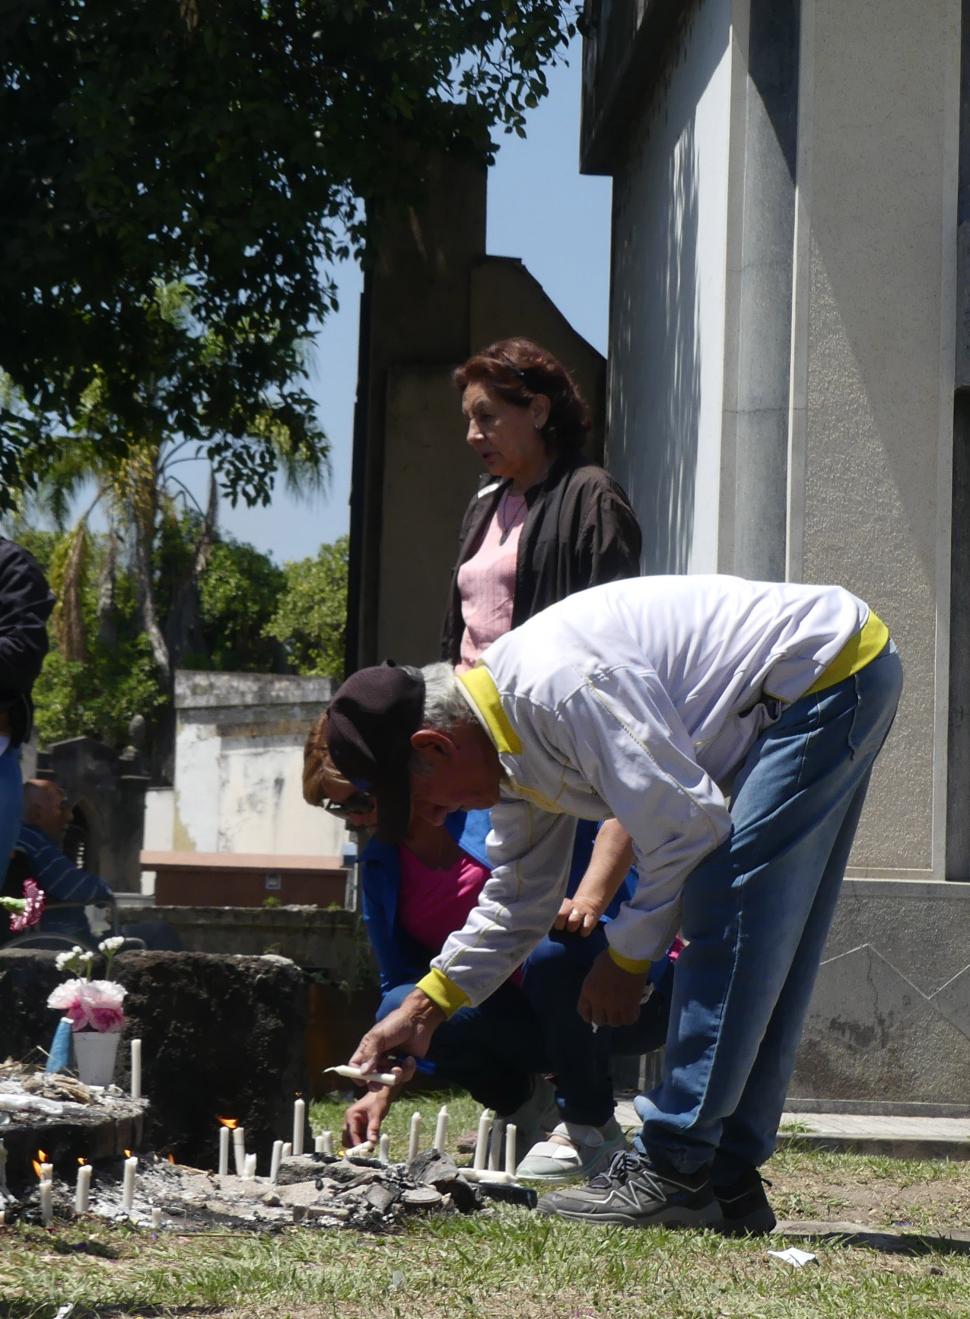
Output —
(509, 1263)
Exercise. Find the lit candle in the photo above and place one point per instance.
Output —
(495, 1145)
(249, 1167)
(511, 1157)
(83, 1188)
(299, 1123)
(46, 1172)
(128, 1185)
(223, 1151)
(481, 1143)
(156, 1217)
(136, 1069)
(239, 1149)
(276, 1160)
(441, 1129)
(414, 1137)
(46, 1189)
(385, 1148)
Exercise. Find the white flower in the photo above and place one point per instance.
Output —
(111, 945)
(63, 961)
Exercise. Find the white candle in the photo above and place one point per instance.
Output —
(327, 1139)
(136, 1069)
(83, 1188)
(46, 1202)
(318, 1145)
(46, 1172)
(356, 1074)
(385, 1148)
(156, 1217)
(249, 1167)
(441, 1129)
(287, 1149)
(495, 1147)
(128, 1185)
(239, 1149)
(299, 1123)
(3, 1166)
(414, 1137)
(223, 1151)
(481, 1143)
(486, 1175)
(276, 1160)
(511, 1155)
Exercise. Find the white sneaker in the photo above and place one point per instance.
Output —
(572, 1150)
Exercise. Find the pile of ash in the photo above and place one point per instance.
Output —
(314, 1190)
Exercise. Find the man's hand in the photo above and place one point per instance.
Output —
(611, 996)
(578, 915)
(363, 1118)
(408, 1029)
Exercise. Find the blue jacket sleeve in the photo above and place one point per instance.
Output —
(56, 875)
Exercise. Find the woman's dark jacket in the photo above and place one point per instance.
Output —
(579, 531)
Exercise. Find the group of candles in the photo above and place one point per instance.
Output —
(82, 1188)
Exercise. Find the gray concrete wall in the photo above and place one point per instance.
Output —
(667, 317)
(871, 436)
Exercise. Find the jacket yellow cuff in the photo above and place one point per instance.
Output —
(634, 965)
(444, 993)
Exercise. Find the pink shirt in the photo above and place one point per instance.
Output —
(433, 903)
(486, 581)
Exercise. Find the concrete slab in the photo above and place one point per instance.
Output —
(896, 1137)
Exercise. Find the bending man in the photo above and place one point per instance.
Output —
(650, 700)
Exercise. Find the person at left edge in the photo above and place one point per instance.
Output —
(26, 602)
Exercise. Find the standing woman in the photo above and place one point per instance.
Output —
(546, 521)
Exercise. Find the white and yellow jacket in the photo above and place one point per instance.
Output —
(638, 699)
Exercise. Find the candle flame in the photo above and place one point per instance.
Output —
(231, 1122)
(127, 1154)
(41, 1159)
(81, 1162)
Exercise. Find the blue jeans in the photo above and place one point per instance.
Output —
(756, 914)
(11, 806)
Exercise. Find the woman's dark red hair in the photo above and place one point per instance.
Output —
(518, 370)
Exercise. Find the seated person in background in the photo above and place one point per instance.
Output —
(413, 896)
(46, 817)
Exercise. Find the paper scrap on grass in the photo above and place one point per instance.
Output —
(795, 1257)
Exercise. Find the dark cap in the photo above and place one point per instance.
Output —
(369, 727)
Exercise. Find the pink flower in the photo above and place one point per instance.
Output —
(90, 1004)
(33, 907)
(25, 911)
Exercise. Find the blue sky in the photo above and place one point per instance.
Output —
(540, 208)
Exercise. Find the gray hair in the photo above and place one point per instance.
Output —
(444, 705)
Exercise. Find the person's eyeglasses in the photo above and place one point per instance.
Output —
(359, 804)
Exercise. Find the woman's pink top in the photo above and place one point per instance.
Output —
(486, 581)
(433, 903)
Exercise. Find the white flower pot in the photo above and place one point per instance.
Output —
(96, 1052)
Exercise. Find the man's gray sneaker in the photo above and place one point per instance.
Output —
(634, 1192)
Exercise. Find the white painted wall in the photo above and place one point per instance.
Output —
(667, 318)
